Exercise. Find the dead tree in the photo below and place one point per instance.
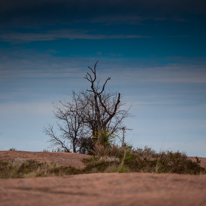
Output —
(88, 114)
(104, 109)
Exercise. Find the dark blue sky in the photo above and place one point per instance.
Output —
(155, 52)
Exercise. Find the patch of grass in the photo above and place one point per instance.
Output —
(146, 160)
(53, 163)
(45, 150)
(12, 149)
(113, 159)
(198, 160)
(20, 168)
(121, 167)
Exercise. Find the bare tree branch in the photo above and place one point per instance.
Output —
(104, 109)
(54, 139)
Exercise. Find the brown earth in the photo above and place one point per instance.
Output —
(100, 189)
(60, 158)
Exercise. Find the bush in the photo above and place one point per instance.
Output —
(145, 160)
(85, 145)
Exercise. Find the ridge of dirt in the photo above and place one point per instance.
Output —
(60, 158)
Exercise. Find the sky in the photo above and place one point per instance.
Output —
(153, 50)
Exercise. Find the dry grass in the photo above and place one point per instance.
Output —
(107, 159)
(12, 149)
(54, 150)
(146, 160)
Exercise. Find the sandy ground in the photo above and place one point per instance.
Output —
(100, 189)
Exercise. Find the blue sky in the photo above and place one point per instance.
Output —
(154, 52)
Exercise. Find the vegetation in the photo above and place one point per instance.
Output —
(146, 160)
(105, 160)
(12, 149)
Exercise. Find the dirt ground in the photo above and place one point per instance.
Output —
(100, 189)
(60, 158)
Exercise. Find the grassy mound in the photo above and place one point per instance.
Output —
(107, 159)
(126, 159)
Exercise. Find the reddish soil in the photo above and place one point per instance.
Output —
(100, 189)
(60, 158)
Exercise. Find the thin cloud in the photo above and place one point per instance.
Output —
(115, 55)
(25, 64)
(165, 74)
(39, 73)
(64, 34)
(119, 19)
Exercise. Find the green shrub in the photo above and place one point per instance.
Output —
(105, 138)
